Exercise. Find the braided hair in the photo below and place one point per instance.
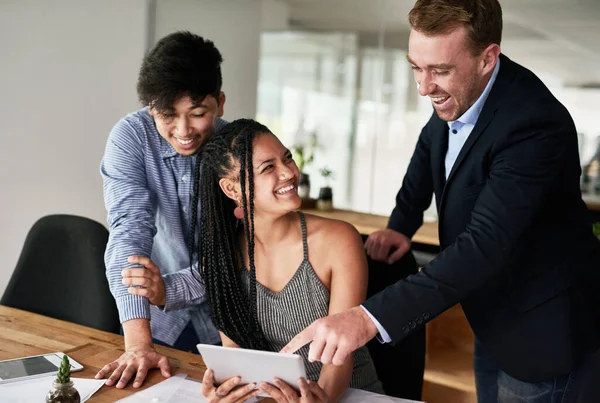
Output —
(194, 219)
(233, 311)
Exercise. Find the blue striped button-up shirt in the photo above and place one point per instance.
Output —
(148, 190)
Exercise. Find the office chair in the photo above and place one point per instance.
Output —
(400, 368)
(60, 273)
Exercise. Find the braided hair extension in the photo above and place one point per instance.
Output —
(193, 222)
(246, 167)
(233, 311)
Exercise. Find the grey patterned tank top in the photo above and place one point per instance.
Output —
(304, 299)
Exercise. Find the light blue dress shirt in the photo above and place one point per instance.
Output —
(148, 190)
(458, 133)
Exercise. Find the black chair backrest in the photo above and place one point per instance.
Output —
(400, 368)
(60, 273)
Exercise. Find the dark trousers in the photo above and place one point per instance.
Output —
(495, 386)
(186, 341)
(400, 368)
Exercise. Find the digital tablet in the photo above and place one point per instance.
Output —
(20, 369)
(253, 366)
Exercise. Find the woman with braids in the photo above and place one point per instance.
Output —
(269, 270)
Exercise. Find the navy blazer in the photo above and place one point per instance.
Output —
(518, 251)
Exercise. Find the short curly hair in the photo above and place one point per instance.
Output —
(180, 64)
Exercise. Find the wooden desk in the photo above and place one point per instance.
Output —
(24, 334)
(592, 201)
(368, 223)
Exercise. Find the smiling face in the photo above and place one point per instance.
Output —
(446, 70)
(187, 125)
(275, 178)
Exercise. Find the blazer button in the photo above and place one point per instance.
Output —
(405, 329)
(426, 315)
(419, 320)
(412, 324)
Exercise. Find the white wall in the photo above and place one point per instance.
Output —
(275, 15)
(67, 73)
(234, 26)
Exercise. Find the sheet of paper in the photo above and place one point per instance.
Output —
(179, 389)
(176, 389)
(361, 396)
(35, 390)
(161, 392)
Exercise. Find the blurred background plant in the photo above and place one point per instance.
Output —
(327, 174)
(304, 154)
(325, 200)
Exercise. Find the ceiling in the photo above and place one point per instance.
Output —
(557, 39)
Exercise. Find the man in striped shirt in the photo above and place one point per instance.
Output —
(149, 170)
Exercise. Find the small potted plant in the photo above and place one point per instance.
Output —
(325, 200)
(63, 390)
(304, 156)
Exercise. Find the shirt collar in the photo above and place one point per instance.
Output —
(472, 114)
(166, 148)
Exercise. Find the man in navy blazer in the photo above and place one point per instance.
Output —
(500, 155)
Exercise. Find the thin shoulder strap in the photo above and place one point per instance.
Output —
(304, 241)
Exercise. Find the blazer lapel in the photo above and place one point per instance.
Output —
(489, 109)
(487, 113)
(439, 147)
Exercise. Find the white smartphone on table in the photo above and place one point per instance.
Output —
(253, 366)
(20, 369)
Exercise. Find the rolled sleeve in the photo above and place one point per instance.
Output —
(182, 290)
(133, 307)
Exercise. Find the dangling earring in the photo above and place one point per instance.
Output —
(238, 212)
